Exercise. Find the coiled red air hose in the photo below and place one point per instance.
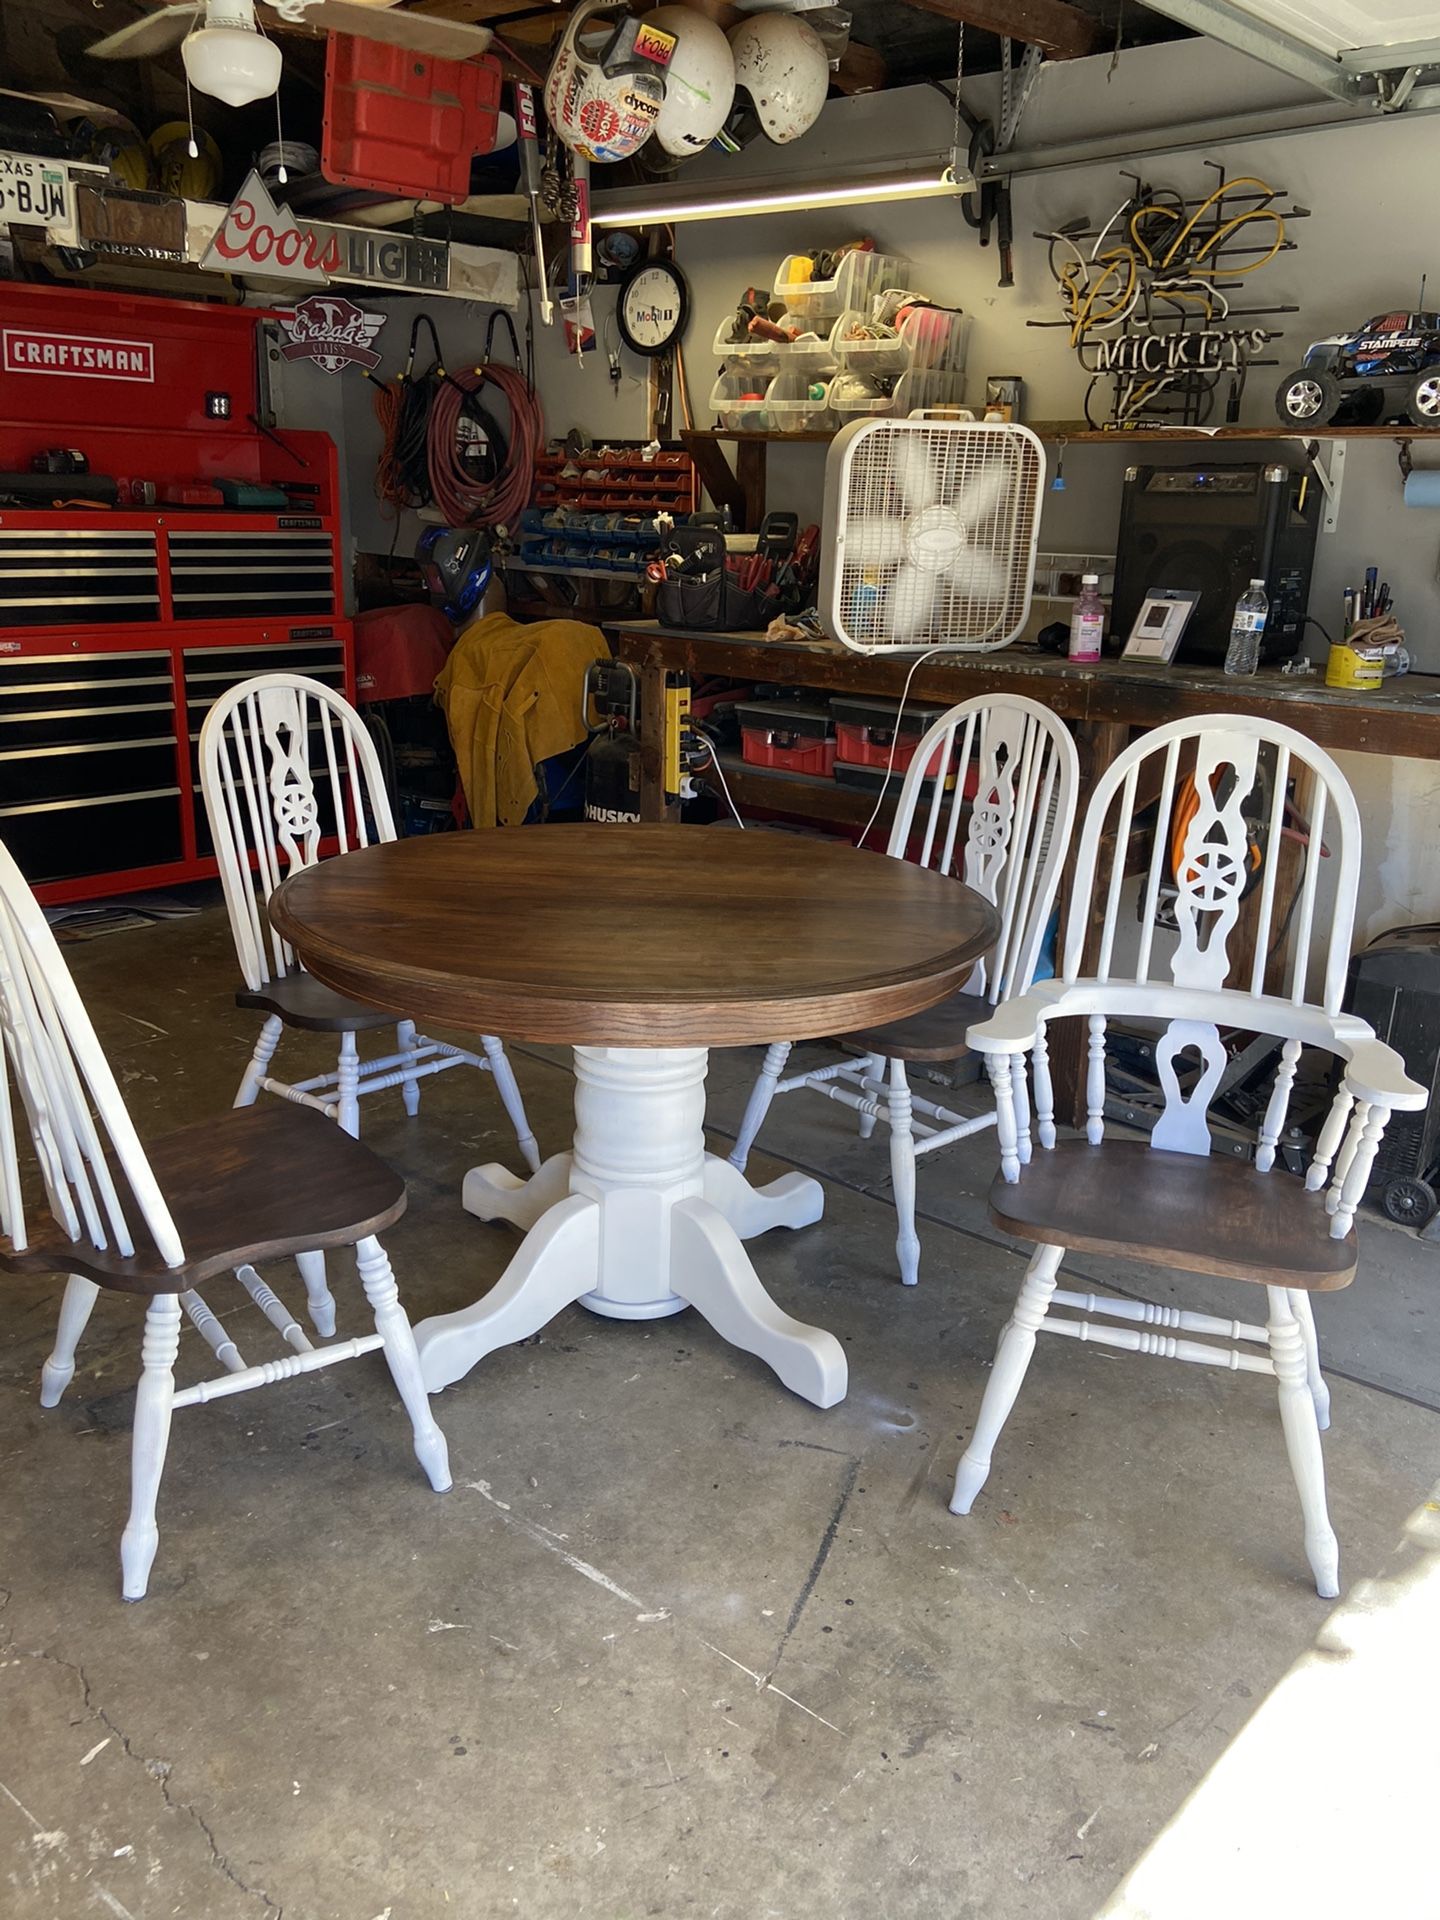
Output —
(463, 501)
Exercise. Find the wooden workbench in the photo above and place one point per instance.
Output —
(1103, 702)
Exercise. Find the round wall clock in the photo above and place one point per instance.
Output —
(652, 306)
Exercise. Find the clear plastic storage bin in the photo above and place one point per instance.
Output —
(796, 403)
(739, 398)
(859, 277)
(758, 356)
(854, 396)
(930, 340)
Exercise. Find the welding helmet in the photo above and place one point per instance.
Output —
(455, 565)
(606, 84)
(699, 81)
(780, 62)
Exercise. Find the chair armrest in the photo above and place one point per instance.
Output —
(1375, 1072)
(1014, 1024)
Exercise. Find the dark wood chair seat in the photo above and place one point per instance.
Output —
(303, 1001)
(1206, 1216)
(251, 1184)
(937, 1034)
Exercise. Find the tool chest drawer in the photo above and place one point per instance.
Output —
(251, 576)
(106, 769)
(63, 840)
(68, 577)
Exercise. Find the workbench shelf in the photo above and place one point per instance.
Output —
(804, 796)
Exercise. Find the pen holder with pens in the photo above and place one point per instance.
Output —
(1372, 652)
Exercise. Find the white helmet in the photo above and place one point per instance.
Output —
(699, 81)
(604, 92)
(780, 61)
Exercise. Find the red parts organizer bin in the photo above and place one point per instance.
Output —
(866, 733)
(773, 733)
(404, 123)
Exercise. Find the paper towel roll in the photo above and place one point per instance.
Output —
(1423, 489)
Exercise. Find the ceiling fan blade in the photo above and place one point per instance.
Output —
(909, 602)
(873, 543)
(429, 34)
(143, 39)
(914, 472)
(982, 493)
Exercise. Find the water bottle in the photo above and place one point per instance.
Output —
(1246, 627)
(1087, 620)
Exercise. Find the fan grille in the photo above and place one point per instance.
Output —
(935, 535)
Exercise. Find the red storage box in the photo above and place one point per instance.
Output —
(405, 123)
(773, 733)
(866, 733)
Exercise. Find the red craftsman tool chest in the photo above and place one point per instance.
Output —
(123, 615)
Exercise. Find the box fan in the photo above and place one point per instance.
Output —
(931, 528)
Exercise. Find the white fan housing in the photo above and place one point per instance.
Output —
(930, 531)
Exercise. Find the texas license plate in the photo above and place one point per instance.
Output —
(31, 189)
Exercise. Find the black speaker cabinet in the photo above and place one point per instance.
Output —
(1214, 530)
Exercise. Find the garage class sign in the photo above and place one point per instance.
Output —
(258, 237)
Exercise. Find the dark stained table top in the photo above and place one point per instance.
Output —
(640, 936)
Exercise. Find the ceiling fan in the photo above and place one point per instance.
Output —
(441, 39)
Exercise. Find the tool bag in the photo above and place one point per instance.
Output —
(700, 594)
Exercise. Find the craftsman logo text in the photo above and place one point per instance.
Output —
(80, 354)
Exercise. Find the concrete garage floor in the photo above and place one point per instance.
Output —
(676, 1643)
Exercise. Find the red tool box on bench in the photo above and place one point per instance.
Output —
(866, 733)
(120, 624)
(777, 733)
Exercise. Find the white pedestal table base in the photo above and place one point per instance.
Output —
(636, 1223)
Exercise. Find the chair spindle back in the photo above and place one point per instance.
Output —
(288, 771)
(71, 1102)
(1016, 777)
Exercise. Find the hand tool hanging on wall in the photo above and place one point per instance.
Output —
(988, 208)
(530, 174)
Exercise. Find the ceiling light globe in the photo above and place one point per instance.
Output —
(229, 58)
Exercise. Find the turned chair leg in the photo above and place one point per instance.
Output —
(509, 1092)
(319, 1301)
(409, 1086)
(348, 1090)
(902, 1172)
(874, 1070)
(59, 1369)
(758, 1105)
(148, 1441)
(1319, 1392)
(266, 1042)
(1299, 1418)
(391, 1323)
(1012, 1358)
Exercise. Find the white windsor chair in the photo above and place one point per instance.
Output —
(1025, 771)
(210, 1199)
(285, 765)
(1170, 1200)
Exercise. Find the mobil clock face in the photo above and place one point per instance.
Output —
(653, 306)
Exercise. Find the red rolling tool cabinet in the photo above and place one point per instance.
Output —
(122, 619)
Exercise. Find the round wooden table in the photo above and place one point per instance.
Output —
(640, 946)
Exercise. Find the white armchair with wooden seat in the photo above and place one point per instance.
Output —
(999, 818)
(1225, 791)
(211, 1201)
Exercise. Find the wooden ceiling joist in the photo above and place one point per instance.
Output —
(1063, 31)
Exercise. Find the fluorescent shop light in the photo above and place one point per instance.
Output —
(647, 209)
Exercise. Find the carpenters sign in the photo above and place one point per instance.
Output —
(257, 237)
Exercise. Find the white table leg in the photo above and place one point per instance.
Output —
(637, 1223)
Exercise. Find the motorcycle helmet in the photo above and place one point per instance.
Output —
(699, 81)
(606, 84)
(780, 62)
(455, 565)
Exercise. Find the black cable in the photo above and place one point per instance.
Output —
(1311, 621)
